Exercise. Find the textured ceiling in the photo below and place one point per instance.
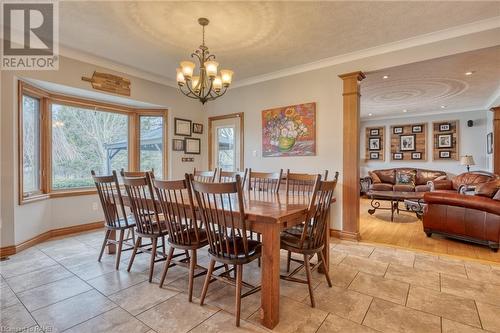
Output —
(252, 38)
(423, 87)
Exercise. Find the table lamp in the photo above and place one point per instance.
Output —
(467, 160)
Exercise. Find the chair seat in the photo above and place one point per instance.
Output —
(191, 234)
(121, 224)
(291, 243)
(235, 251)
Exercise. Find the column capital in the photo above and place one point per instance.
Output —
(359, 75)
(495, 109)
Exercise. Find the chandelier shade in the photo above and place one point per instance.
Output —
(208, 84)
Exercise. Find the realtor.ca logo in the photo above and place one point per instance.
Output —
(30, 35)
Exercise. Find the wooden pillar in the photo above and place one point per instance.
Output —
(496, 139)
(350, 173)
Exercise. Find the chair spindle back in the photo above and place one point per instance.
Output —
(110, 196)
(205, 176)
(264, 181)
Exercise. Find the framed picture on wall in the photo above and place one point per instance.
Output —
(197, 128)
(416, 156)
(445, 154)
(374, 156)
(489, 143)
(407, 142)
(374, 143)
(192, 146)
(398, 130)
(182, 127)
(445, 141)
(177, 145)
(397, 156)
(444, 127)
(374, 132)
(416, 129)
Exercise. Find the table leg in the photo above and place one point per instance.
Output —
(270, 293)
(392, 210)
(111, 246)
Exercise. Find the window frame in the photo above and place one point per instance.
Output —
(46, 100)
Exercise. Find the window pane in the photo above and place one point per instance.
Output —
(31, 145)
(151, 145)
(84, 140)
(225, 148)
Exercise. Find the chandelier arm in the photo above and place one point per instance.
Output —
(217, 95)
(189, 94)
(190, 90)
(194, 54)
(209, 89)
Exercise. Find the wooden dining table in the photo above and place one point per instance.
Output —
(269, 214)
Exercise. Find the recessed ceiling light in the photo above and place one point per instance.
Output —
(370, 114)
(385, 77)
(443, 106)
(405, 110)
(469, 73)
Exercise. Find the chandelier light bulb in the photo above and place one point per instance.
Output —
(217, 84)
(181, 80)
(211, 68)
(187, 69)
(227, 77)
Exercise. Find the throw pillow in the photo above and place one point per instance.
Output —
(488, 189)
(405, 178)
(444, 177)
(375, 178)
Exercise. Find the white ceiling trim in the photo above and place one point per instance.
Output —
(467, 29)
(495, 97)
(424, 114)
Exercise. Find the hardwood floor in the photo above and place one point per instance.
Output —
(406, 231)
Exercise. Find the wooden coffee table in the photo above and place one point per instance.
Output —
(395, 198)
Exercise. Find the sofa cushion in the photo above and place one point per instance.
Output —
(404, 188)
(488, 189)
(375, 178)
(381, 187)
(424, 176)
(387, 176)
(405, 177)
(422, 188)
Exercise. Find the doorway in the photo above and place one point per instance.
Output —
(225, 137)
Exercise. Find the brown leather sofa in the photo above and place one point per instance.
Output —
(464, 182)
(474, 218)
(386, 180)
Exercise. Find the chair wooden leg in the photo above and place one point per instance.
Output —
(207, 281)
(169, 259)
(307, 266)
(153, 257)
(288, 261)
(120, 245)
(239, 277)
(104, 243)
(192, 266)
(327, 274)
(258, 260)
(134, 252)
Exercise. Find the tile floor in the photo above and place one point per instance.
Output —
(59, 286)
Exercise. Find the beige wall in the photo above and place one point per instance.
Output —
(20, 223)
(323, 87)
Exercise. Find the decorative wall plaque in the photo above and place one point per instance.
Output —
(109, 83)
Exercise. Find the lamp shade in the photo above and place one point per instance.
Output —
(467, 160)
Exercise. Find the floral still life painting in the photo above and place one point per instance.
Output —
(289, 131)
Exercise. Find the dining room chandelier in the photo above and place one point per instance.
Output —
(208, 84)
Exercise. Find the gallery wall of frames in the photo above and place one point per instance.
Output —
(408, 142)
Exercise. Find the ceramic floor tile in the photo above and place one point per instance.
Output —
(176, 315)
(490, 316)
(92, 270)
(336, 324)
(182, 284)
(479, 291)
(72, 311)
(7, 297)
(53, 292)
(376, 286)
(414, 276)
(116, 320)
(483, 273)
(436, 264)
(444, 305)
(295, 317)
(393, 256)
(450, 326)
(115, 281)
(353, 248)
(15, 318)
(345, 303)
(37, 278)
(295, 290)
(365, 265)
(224, 299)
(390, 317)
(224, 322)
(141, 297)
(28, 264)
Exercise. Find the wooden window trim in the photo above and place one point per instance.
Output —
(46, 100)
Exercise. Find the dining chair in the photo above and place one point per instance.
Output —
(148, 222)
(312, 240)
(230, 176)
(175, 199)
(205, 176)
(115, 216)
(223, 215)
(268, 182)
(124, 173)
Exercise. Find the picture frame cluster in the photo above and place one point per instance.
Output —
(408, 142)
(375, 144)
(445, 134)
(186, 128)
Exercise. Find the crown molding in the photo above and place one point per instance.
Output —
(494, 99)
(467, 29)
(72, 53)
(365, 119)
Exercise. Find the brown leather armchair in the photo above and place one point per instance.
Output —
(474, 218)
(465, 181)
